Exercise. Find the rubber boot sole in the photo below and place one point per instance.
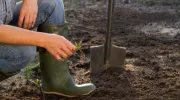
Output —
(61, 94)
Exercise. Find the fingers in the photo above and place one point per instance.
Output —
(26, 22)
(34, 19)
(60, 47)
(58, 57)
(55, 54)
(27, 17)
(59, 54)
(67, 51)
(21, 19)
(70, 46)
(62, 54)
(30, 23)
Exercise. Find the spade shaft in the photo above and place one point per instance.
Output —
(109, 30)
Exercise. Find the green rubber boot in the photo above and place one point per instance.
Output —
(56, 78)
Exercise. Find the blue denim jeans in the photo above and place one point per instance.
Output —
(15, 57)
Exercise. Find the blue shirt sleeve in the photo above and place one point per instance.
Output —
(1, 22)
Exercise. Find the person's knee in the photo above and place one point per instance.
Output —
(49, 4)
(14, 58)
(27, 53)
(21, 56)
(51, 12)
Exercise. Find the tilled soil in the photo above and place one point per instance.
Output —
(152, 68)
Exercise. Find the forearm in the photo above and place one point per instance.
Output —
(30, 0)
(18, 36)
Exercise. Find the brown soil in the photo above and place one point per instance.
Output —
(152, 67)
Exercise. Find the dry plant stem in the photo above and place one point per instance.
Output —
(82, 55)
(42, 97)
(42, 94)
(38, 84)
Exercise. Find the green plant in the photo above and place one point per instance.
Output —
(28, 72)
(79, 48)
(78, 45)
(36, 82)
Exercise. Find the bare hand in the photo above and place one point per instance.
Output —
(28, 14)
(59, 46)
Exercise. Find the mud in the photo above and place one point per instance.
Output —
(152, 67)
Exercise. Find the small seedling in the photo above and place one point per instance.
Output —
(78, 45)
(28, 72)
(36, 82)
(79, 48)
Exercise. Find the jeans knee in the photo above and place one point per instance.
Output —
(48, 4)
(14, 58)
(20, 56)
(51, 12)
(26, 54)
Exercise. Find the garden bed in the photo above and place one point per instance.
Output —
(151, 36)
